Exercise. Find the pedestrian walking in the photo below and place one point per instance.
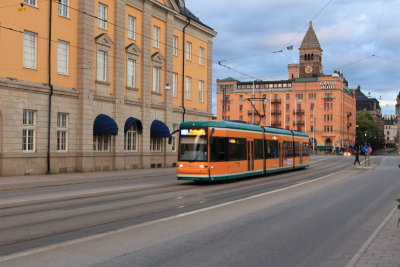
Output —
(357, 157)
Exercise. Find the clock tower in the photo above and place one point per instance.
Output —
(310, 55)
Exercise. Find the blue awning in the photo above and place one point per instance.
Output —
(131, 121)
(104, 124)
(159, 129)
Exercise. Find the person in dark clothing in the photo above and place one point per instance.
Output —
(357, 158)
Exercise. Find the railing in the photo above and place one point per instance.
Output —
(276, 124)
(277, 112)
(275, 101)
(298, 123)
(327, 99)
(298, 111)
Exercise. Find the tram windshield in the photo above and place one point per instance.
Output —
(193, 148)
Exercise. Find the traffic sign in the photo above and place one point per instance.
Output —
(365, 149)
(370, 150)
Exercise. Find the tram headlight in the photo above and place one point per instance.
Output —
(203, 166)
(180, 166)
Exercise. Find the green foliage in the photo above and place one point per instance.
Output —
(367, 130)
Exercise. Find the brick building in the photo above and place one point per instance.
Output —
(84, 85)
(309, 101)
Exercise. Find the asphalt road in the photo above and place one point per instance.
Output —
(315, 217)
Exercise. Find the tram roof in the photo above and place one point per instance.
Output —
(240, 126)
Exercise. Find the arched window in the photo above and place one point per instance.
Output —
(131, 138)
(312, 56)
(305, 56)
(328, 142)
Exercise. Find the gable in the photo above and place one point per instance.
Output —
(157, 57)
(133, 49)
(104, 39)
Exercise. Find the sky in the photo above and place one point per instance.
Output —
(361, 38)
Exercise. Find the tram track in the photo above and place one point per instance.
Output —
(118, 209)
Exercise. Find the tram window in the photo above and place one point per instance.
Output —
(258, 151)
(236, 149)
(306, 149)
(193, 148)
(287, 149)
(296, 149)
(271, 149)
(218, 149)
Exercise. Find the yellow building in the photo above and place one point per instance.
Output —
(309, 101)
(99, 85)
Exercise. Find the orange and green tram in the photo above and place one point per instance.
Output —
(223, 150)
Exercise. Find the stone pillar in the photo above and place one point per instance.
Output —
(85, 81)
(146, 84)
(119, 83)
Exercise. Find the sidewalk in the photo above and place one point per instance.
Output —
(383, 247)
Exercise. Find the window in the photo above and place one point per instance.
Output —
(189, 51)
(271, 149)
(287, 107)
(312, 96)
(28, 131)
(201, 56)
(62, 130)
(299, 97)
(102, 65)
(156, 37)
(287, 149)
(236, 149)
(62, 57)
(287, 96)
(101, 142)
(29, 50)
(175, 45)
(201, 91)
(131, 27)
(131, 73)
(188, 88)
(241, 97)
(102, 15)
(131, 138)
(156, 79)
(218, 149)
(63, 8)
(174, 84)
(312, 106)
(30, 2)
(156, 144)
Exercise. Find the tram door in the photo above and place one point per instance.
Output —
(301, 152)
(250, 153)
(280, 154)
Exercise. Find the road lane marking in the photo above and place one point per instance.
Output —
(132, 227)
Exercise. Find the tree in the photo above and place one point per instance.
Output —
(367, 131)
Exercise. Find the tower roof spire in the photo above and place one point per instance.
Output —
(310, 39)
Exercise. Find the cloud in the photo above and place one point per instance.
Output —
(349, 31)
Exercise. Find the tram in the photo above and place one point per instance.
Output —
(223, 150)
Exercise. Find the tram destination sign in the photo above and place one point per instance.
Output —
(193, 132)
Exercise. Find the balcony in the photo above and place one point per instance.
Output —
(298, 111)
(276, 112)
(349, 124)
(349, 114)
(276, 101)
(298, 123)
(328, 99)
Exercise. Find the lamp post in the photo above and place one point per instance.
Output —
(252, 98)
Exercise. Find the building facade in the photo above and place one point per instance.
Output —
(99, 85)
(372, 106)
(390, 130)
(309, 101)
